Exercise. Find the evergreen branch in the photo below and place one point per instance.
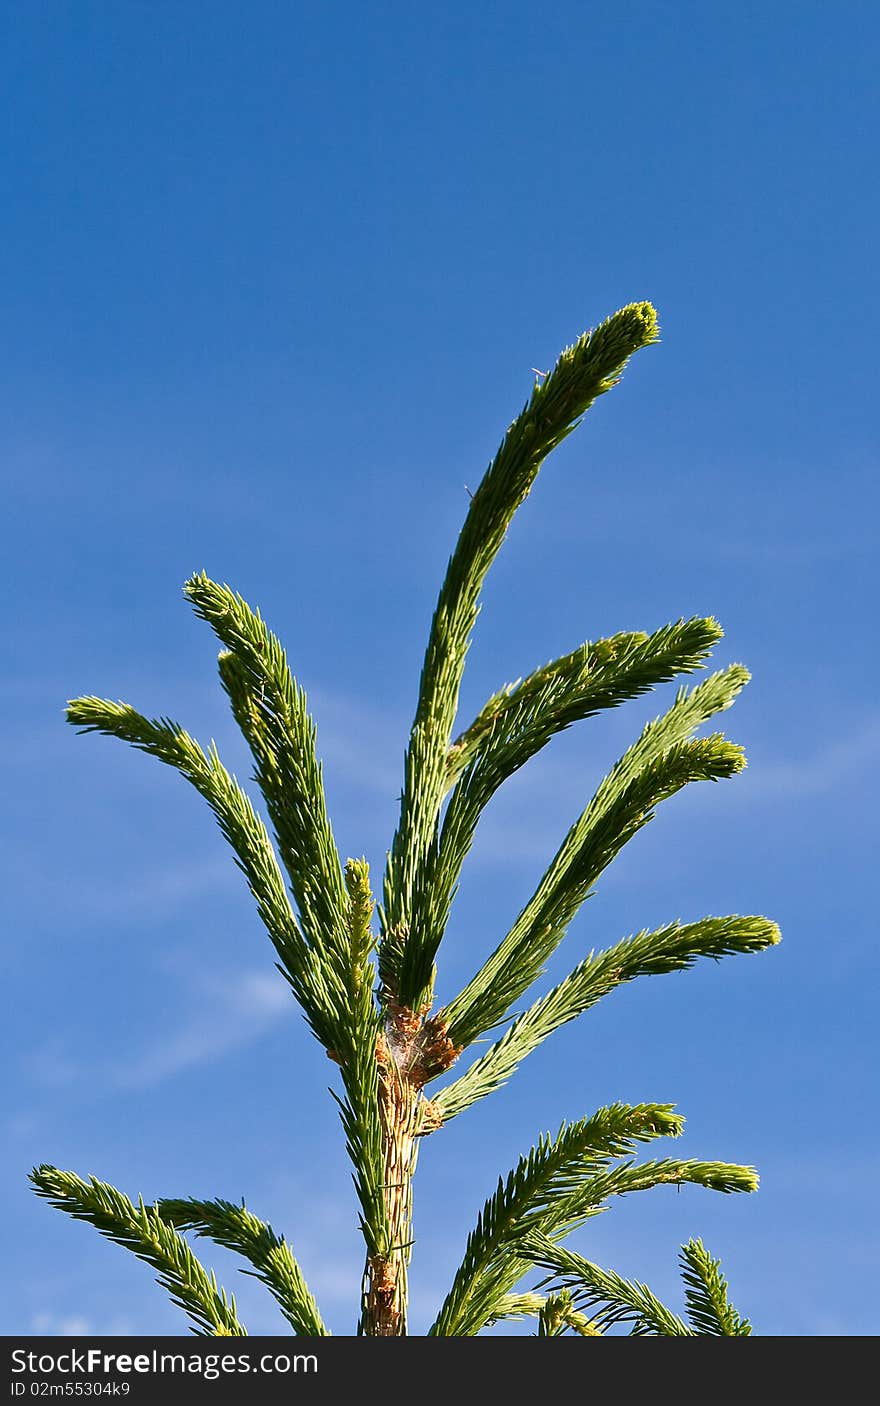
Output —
(583, 372)
(557, 1188)
(315, 987)
(608, 1298)
(386, 1043)
(517, 1306)
(587, 1196)
(142, 1230)
(518, 722)
(356, 1053)
(271, 711)
(548, 1174)
(521, 717)
(662, 762)
(559, 1315)
(615, 1301)
(359, 913)
(708, 1307)
(336, 995)
(672, 948)
(236, 1228)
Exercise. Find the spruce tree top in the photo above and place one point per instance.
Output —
(369, 997)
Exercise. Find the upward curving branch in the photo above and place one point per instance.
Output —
(665, 759)
(612, 1301)
(609, 1299)
(583, 372)
(519, 719)
(516, 723)
(270, 708)
(315, 983)
(709, 1309)
(143, 1230)
(672, 948)
(236, 1228)
(544, 1177)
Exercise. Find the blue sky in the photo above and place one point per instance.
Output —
(274, 278)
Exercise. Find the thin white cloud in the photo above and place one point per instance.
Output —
(512, 835)
(160, 892)
(137, 892)
(241, 1010)
(337, 1282)
(77, 1325)
(232, 1012)
(837, 763)
(51, 1065)
(22, 1127)
(50, 1325)
(806, 551)
(360, 744)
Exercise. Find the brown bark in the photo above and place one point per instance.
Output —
(386, 1288)
(411, 1051)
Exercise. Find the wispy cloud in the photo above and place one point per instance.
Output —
(51, 1065)
(241, 1010)
(76, 1325)
(232, 1012)
(50, 1325)
(124, 894)
(526, 832)
(159, 892)
(361, 744)
(805, 551)
(832, 765)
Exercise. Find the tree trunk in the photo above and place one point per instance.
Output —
(413, 1050)
(385, 1296)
